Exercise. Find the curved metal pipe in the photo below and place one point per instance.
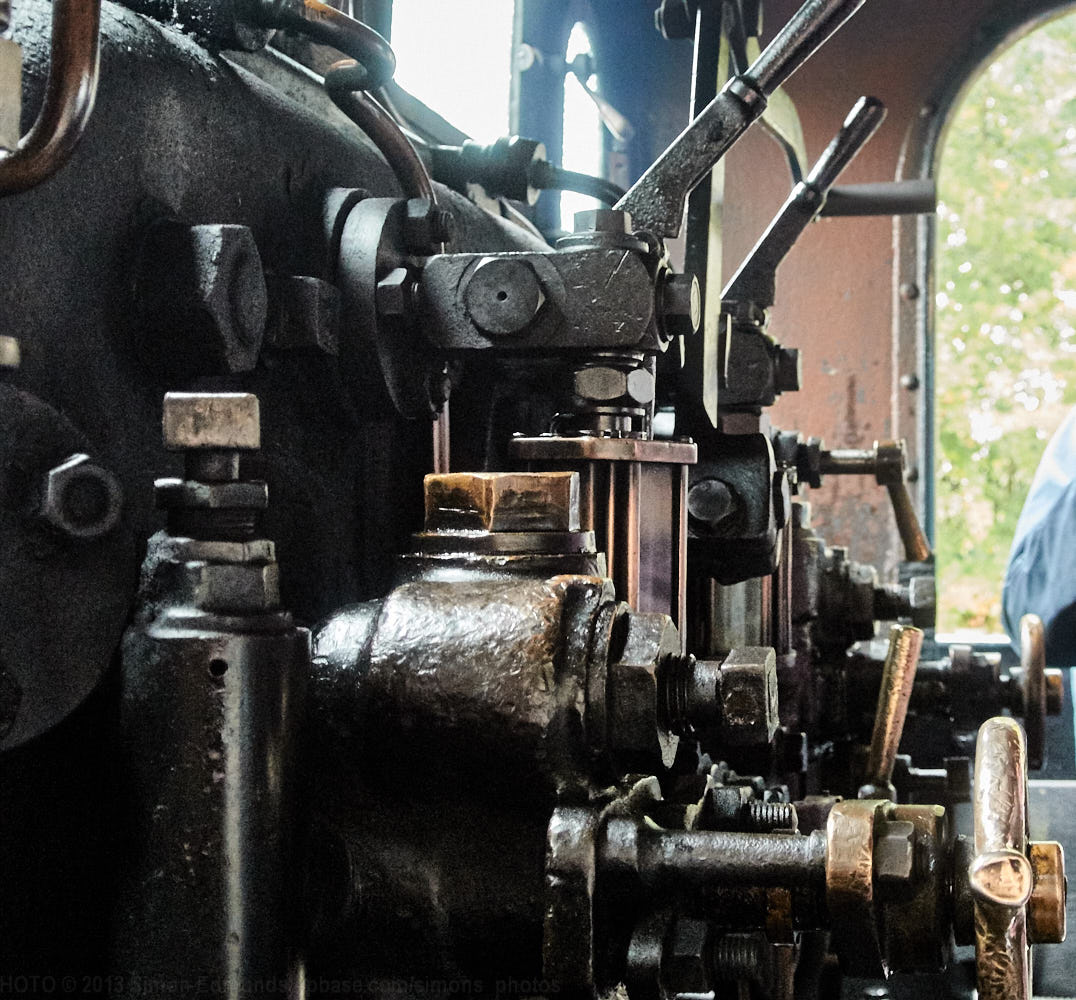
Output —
(345, 83)
(69, 96)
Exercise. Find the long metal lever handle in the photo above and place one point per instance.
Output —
(862, 122)
(656, 200)
(898, 675)
(755, 280)
(885, 461)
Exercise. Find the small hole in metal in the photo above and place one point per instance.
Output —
(218, 668)
(502, 295)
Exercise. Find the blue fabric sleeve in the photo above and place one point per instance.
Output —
(1041, 578)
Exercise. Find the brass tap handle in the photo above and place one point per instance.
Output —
(1018, 888)
(1033, 687)
(898, 675)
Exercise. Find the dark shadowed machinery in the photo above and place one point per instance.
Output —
(307, 689)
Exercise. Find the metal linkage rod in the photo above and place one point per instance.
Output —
(755, 280)
(656, 200)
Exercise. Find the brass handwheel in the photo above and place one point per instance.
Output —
(1018, 887)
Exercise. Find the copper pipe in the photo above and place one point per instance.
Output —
(69, 96)
(345, 82)
(898, 676)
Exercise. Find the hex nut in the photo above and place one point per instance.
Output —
(787, 370)
(749, 715)
(81, 499)
(202, 290)
(234, 588)
(502, 501)
(600, 383)
(686, 958)
(395, 293)
(427, 226)
(922, 600)
(304, 313)
(190, 494)
(195, 420)
(603, 220)
(634, 686)
(894, 851)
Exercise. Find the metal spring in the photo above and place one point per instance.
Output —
(738, 956)
(762, 817)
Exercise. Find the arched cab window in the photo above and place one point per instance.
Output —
(998, 329)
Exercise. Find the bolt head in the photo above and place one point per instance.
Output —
(710, 501)
(203, 288)
(894, 851)
(82, 500)
(787, 370)
(395, 292)
(680, 305)
(195, 420)
(749, 715)
(603, 220)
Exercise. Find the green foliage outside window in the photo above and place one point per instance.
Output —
(1006, 309)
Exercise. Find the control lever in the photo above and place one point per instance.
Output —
(754, 281)
(656, 200)
(885, 461)
(898, 676)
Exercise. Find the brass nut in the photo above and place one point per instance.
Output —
(195, 420)
(502, 501)
(1046, 907)
(749, 715)
(649, 641)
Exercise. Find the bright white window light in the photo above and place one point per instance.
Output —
(456, 57)
(582, 131)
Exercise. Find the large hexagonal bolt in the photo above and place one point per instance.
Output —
(748, 693)
(211, 502)
(502, 501)
(645, 647)
(503, 295)
(723, 703)
(81, 499)
(202, 297)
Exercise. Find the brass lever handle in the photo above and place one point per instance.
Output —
(898, 675)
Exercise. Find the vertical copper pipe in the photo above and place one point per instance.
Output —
(69, 96)
(898, 675)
